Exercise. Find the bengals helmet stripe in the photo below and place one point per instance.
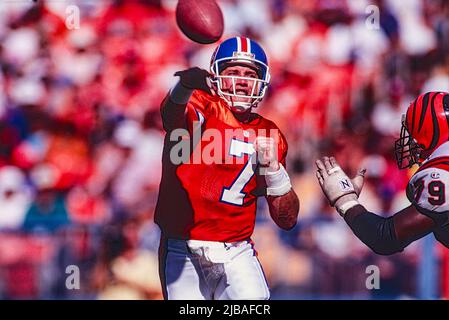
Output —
(436, 127)
(425, 128)
(433, 129)
(425, 104)
(414, 112)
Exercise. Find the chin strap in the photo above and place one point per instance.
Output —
(240, 105)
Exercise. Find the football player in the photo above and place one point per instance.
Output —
(424, 140)
(206, 209)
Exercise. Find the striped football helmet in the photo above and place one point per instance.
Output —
(425, 127)
(240, 51)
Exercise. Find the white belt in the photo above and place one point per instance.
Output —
(213, 251)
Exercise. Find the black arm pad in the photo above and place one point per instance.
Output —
(442, 235)
(376, 232)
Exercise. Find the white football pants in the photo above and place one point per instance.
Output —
(207, 270)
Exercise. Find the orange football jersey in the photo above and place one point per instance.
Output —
(212, 194)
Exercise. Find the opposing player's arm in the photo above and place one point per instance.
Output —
(442, 235)
(390, 235)
(283, 202)
(173, 107)
(384, 235)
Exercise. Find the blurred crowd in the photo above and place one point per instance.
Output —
(81, 136)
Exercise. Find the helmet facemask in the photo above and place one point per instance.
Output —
(407, 151)
(259, 85)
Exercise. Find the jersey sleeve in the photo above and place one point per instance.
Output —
(428, 191)
(197, 111)
(180, 116)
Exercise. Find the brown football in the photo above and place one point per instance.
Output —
(200, 20)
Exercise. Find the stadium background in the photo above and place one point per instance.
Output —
(81, 139)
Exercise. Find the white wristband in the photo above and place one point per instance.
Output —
(346, 206)
(180, 94)
(278, 183)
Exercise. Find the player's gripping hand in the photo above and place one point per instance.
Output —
(195, 78)
(276, 177)
(266, 150)
(339, 189)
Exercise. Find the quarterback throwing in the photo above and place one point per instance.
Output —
(219, 157)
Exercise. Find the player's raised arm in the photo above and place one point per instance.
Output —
(282, 200)
(174, 105)
(284, 209)
(424, 140)
(383, 235)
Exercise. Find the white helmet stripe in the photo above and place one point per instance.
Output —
(239, 44)
(248, 42)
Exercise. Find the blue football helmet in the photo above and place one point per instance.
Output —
(240, 50)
